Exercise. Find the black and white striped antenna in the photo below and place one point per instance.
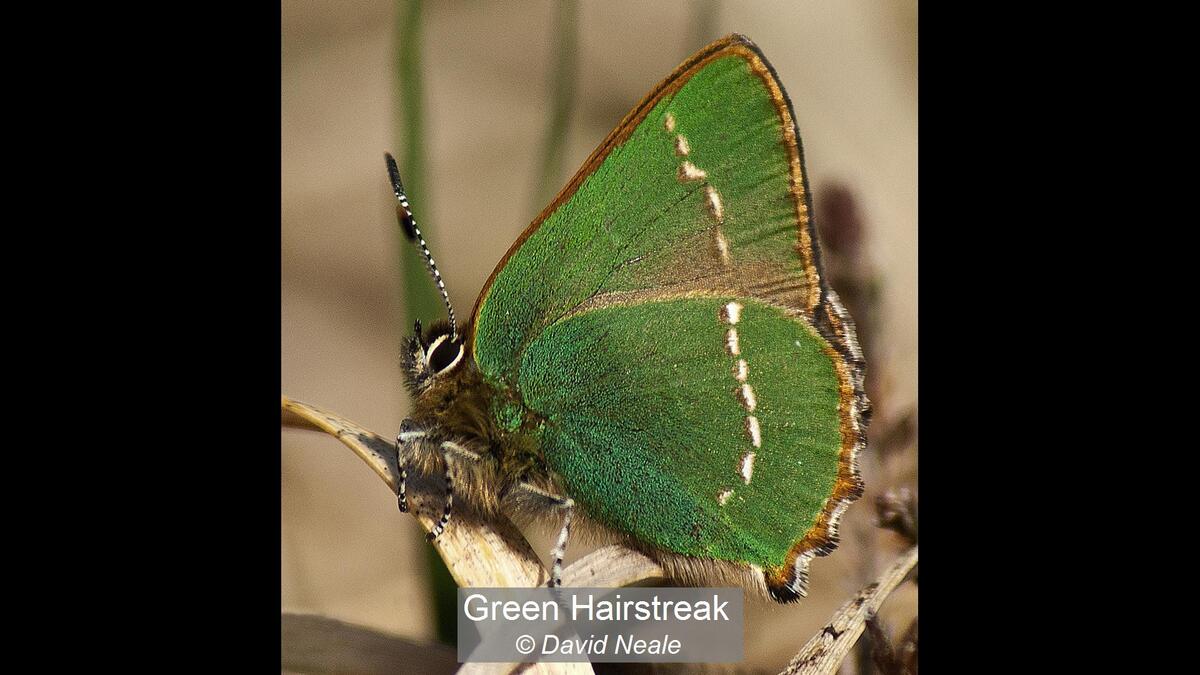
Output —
(409, 224)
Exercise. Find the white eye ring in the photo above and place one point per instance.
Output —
(434, 345)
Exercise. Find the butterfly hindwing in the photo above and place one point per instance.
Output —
(666, 433)
(611, 319)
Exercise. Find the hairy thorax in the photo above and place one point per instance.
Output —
(497, 434)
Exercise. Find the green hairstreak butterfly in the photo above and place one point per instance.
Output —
(659, 354)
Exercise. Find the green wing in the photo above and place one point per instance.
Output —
(646, 410)
(610, 318)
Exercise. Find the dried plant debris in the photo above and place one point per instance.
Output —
(316, 644)
(891, 660)
(897, 510)
(824, 652)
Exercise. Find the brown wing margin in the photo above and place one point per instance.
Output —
(822, 307)
(787, 583)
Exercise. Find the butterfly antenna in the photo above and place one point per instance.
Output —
(409, 225)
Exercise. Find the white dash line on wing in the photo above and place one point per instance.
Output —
(748, 400)
(754, 431)
(747, 468)
(691, 172)
(681, 146)
(731, 313)
(715, 207)
(722, 247)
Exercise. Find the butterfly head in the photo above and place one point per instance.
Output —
(431, 356)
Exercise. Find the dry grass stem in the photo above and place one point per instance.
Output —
(824, 652)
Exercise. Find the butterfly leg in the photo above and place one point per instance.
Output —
(450, 450)
(409, 433)
(560, 546)
(449, 508)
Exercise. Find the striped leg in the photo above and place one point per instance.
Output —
(408, 434)
(445, 520)
(560, 545)
(450, 449)
(401, 496)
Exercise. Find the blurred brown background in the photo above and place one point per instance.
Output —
(850, 69)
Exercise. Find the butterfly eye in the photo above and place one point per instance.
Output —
(444, 354)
